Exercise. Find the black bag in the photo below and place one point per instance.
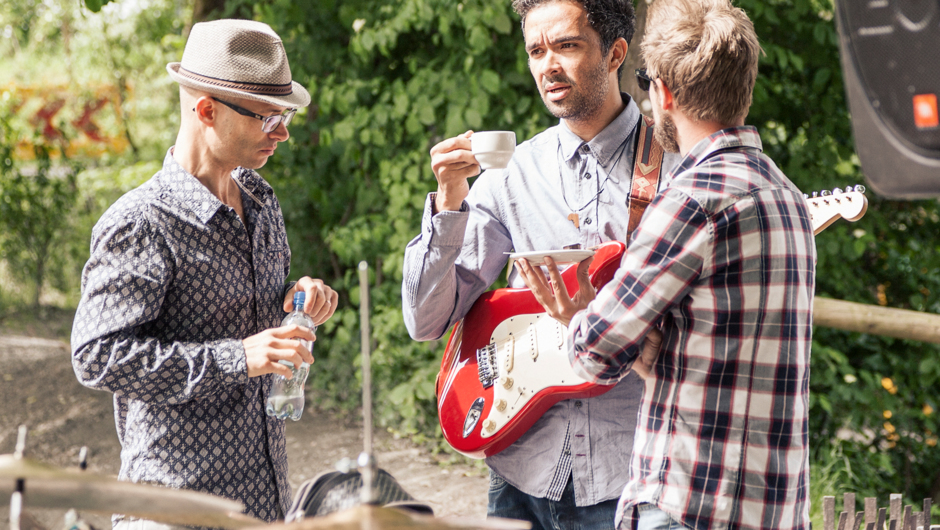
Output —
(334, 491)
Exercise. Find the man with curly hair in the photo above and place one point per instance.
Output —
(568, 185)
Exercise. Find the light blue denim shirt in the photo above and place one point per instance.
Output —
(525, 207)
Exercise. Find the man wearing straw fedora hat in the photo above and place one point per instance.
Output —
(185, 287)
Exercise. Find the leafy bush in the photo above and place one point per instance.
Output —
(54, 171)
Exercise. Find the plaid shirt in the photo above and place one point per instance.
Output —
(725, 259)
(175, 281)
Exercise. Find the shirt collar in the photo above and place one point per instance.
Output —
(185, 189)
(730, 138)
(607, 142)
(745, 136)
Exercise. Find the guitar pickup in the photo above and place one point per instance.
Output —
(534, 341)
(511, 354)
(486, 365)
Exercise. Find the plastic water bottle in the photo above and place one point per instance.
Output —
(286, 399)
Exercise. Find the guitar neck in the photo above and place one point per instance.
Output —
(827, 207)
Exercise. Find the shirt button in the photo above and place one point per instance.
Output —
(587, 176)
(567, 452)
(585, 149)
(587, 221)
(577, 403)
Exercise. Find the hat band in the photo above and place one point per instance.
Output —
(253, 88)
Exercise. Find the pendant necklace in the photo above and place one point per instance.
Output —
(575, 216)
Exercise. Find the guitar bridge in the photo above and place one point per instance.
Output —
(486, 365)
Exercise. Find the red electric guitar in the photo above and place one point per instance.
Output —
(505, 363)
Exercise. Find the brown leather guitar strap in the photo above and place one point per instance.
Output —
(647, 165)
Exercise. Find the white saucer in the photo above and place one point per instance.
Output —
(537, 258)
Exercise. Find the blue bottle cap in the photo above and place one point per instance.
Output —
(299, 298)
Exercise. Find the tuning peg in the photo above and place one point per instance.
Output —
(806, 196)
(825, 193)
(815, 194)
(859, 188)
(837, 191)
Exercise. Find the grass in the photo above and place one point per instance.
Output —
(48, 322)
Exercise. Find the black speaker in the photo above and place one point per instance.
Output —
(890, 53)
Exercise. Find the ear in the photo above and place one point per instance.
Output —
(666, 100)
(205, 110)
(618, 54)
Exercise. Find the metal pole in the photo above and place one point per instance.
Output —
(367, 467)
(16, 500)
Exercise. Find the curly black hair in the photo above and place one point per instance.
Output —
(611, 19)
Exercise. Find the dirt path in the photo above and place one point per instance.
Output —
(39, 390)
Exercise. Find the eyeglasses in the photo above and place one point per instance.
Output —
(270, 122)
(643, 80)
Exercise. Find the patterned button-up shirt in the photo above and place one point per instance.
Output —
(527, 207)
(174, 282)
(725, 259)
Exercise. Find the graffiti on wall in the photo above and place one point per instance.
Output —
(81, 123)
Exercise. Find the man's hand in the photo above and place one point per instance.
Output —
(453, 163)
(553, 295)
(643, 365)
(320, 302)
(264, 350)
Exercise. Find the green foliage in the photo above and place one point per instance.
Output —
(831, 475)
(35, 204)
(95, 5)
(121, 53)
(58, 52)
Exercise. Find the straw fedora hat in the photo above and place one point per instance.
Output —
(238, 58)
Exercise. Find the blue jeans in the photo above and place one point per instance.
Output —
(507, 501)
(649, 517)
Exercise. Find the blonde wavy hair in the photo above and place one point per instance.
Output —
(706, 52)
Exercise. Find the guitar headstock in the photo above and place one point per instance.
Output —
(826, 207)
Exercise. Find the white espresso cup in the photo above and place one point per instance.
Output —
(493, 149)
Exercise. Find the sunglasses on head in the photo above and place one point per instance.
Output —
(643, 80)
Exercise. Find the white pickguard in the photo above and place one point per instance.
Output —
(530, 358)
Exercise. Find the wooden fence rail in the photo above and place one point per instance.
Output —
(873, 517)
(877, 320)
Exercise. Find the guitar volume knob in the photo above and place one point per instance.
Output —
(506, 382)
(489, 426)
(501, 405)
